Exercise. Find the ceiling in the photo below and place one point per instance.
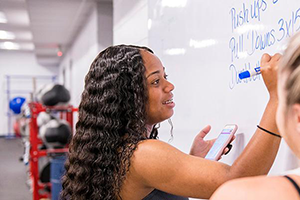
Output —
(45, 27)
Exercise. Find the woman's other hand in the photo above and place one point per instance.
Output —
(201, 147)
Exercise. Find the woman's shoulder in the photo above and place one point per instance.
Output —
(260, 187)
(153, 156)
(150, 162)
(151, 146)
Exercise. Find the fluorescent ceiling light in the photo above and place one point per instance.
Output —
(175, 51)
(16, 46)
(3, 18)
(5, 35)
(174, 3)
(202, 43)
(9, 46)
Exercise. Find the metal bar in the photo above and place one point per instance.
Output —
(30, 77)
(34, 152)
(19, 91)
(8, 111)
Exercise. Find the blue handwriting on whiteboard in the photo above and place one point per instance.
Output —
(247, 13)
(288, 27)
(236, 46)
(235, 80)
(246, 43)
(254, 40)
(260, 41)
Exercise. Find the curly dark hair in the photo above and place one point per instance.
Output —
(111, 122)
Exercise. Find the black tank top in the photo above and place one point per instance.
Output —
(294, 183)
(159, 195)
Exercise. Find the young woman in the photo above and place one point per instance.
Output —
(115, 153)
(288, 121)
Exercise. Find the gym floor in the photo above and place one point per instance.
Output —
(13, 175)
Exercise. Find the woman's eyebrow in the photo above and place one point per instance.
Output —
(152, 73)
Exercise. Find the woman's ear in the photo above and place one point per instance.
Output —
(296, 116)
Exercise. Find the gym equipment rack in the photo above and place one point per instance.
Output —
(66, 112)
(31, 82)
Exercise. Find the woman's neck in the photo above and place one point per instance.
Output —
(149, 129)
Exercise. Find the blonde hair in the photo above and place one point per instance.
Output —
(290, 64)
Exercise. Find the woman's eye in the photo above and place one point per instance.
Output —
(166, 76)
(156, 82)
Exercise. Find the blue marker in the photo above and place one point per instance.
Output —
(249, 73)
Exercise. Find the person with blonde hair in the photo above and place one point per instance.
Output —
(288, 121)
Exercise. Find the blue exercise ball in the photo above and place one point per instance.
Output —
(16, 103)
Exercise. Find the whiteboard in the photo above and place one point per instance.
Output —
(204, 45)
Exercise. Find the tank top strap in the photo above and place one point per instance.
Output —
(160, 195)
(294, 183)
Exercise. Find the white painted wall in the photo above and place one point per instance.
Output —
(77, 60)
(95, 36)
(19, 63)
(105, 24)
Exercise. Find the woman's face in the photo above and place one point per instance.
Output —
(287, 118)
(160, 98)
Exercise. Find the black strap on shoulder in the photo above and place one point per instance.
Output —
(294, 183)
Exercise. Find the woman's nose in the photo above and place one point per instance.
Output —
(169, 87)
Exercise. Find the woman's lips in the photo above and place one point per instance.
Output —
(169, 103)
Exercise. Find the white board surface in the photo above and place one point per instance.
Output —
(204, 45)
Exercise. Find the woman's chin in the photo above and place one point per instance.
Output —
(169, 116)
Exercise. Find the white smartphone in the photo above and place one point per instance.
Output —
(222, 141)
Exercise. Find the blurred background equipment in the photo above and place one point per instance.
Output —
(52, 94)
(45, 125)
(16, 103)
(55, 134)
(50, 132)
(57, 170)
(21, 89)
(43, 118)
